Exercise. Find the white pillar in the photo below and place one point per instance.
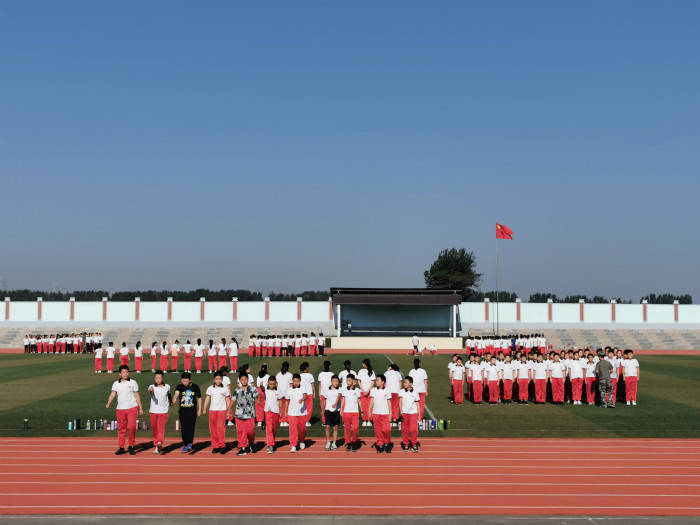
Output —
(454, 320)
(337, 319)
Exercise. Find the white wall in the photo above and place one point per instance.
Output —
(187, 311)
(154, 312)
(218, 311)
(312, 311)
(89, 312)
(598, 313)
(533, 313)
(121, 311)
(55, 311)
(689, 313)
(566, 313)
(282, 311)
(251, 311)
(472, 313)
(629, 313)
(23, 311)
(660, 313)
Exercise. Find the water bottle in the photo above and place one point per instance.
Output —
(87, 425)
(70, 425)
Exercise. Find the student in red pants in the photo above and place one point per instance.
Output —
(219, 399)
(297, 414)
(138, 357)
(98, 360)
(630, 373)
(160, 404)
(493, 376)
(420, 384)
(458, 372)
(212, 356)
(366, 378)
(164, 354)
(233, 353)
(174, 355)
(350, 409)
(393, 385)
(576, 371)
(272, 413)
(110, 357)
(129, 407)
(244, 397)
(198, 356)
(524, 375)
(476, 376)
(507, 378)
(260, 384)
(284, 383)
(379, 398)
(591, 385)
(154, 356)
(307, 384)
(539, 375)
(555, 373)
(222, 353)
(409, 415)
(187, 350)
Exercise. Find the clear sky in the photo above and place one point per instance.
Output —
(300, 145)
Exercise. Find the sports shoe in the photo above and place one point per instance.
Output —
(380, 448)
(308, 424)
(328, 445)
(348, 447)
(404, 447)
(120, 452)
(293, 449)
(230, 424)
(185, 449)
(132, 451)
(302, 445)
(634, 403)
(242, 452)
(215, 450)
(629, 403)
(414, 448)
(334, 446)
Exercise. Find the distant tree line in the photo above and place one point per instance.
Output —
(162, 295)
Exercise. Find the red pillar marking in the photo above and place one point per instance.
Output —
(38, 310)
(613, 312)
(675, 311)
(330, 309)
(235, 310)
(201, 310)
(298, 310)
(104, 309)
(267, 310)
(486, 310)
(549, 311)
(644, 312)
(170, 310)
(137, 310)
(580, 311)
(7, 310)
(517, 310)
(72, 310)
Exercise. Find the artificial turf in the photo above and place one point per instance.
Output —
(51, 390)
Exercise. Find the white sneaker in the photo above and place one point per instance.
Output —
(328, 445)
(293, 449)
(334, 446)
(634, 403)
(628, 403)
(308, 424)
(230, 424)
(302, 445)
(259, 424)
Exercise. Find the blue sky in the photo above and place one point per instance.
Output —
(303, 145)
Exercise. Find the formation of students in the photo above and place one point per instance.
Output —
(310, 345)
(286, 399)
(568, 376)
(68, 343)
(508, 344)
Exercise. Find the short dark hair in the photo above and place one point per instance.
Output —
(185, 375)
(124, 367)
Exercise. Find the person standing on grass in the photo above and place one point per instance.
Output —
(154, 356)
(138, 357)
(350, 412)
(198, 355)
(160, 405)
(124, 355)
(324, 383)
(261, 384)
(366, 378)
(189, 397)
(98, 360)
(187, 349)
(308, 386)
(218, 402)
(129, 407)
(284, 382)
(409, 415)
(420, 384)
(222, 353)
(590, 379)
(245, 399)
(393, 385)
(174, 355)
(630, 374)
(110, 358)
(233, 353)
(603, 370)
(524, 375)
(457, 379)
(164, 356)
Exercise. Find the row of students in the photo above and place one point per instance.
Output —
(537, 377)
(285, 396)
(307, 345)
(62, 343)
(509, 344)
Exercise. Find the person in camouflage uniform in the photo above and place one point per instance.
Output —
(603, 369)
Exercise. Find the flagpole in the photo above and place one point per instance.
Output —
(497, 320)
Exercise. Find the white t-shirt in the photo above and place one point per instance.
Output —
(218, 397)
(124, 350)
(458, 372)
(312, 340)
(110, 352)
(284, 382)
(630, 367)
(590, 370)
(226, 381)
(539, 370)
(163, 350)
(138, 351)
(419, 377)
(393, 381)
(523, 370)
(351, 397)
(98, 353)
(187, 347)
(159, 399)
(476, 370)
(331, 395)
(198, 350)
(343, 374)
(125, 393)
(272, 400)
(295, 395)
(222, 349)
(507, 369)
(381, 398)
(414, 340)
(576, 369)
(557, 369)
(261, 382)
(409, 401)
(324, 381)
(491, 371)
(306, 381)
(365, 379)
(233, 349)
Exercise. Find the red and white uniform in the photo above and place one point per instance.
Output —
(272, 414)
(127, 410)
(158, 411)
(218, 397)
(351, 416)
(630, 370)
(409, 410)
(381, 413)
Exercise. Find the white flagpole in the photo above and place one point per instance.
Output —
(497, 320)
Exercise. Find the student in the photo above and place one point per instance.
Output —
(164, 356)
(576, 370)
(312, 345)
(324, 383)
(198, 355)
(98, 360)
(457, 381)
(251, 345)
(154, 356)
(393, 385)
(524, 375)
(366, 378)
(350, 410)
(590, 380)
(174, 355)
(110, 357)
(297, 413)
(187, 349)
(258, 343)
(630, 373)
(124, 355)
(409, 415)
(539, 376)
(379, 408)
(272, 413)
(189, 397)
(415, 342)
(420, 385)
(555, 373)
(212, 360)
(128, 408)
(244, 398)
(507, 377)
(343, 374)
(284, 381)
(219, 399)
(260, 384)
(307, 384)
(304, 345)
(222, 353)
(233, 353)
(451, 364)
(138, 357)
(493, 377)
(321, 344)
(331, 413)
(476, 378)
(158, 411)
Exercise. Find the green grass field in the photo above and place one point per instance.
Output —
(50, 390)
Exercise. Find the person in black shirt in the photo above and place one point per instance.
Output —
(189, 397)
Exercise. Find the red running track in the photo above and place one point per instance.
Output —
(449, 476)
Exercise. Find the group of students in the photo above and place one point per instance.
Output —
(508, 344)
(286, 399)
(67, 343)
(310, 345)
(537, 376)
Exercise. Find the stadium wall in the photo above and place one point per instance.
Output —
(291, 312)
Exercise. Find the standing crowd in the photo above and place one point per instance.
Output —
(67, 343)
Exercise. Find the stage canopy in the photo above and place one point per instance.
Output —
(395, 311)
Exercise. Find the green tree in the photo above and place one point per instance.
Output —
(454, 269)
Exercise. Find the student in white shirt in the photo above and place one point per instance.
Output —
(457, 380)
(218, 401)
(343, 374)
(556, 371)
(321, 344)
(420, 385)
(174, 355)
(350, 410)
(312, 344)
(284, 381)
(331, 411)
(476, 379)
(576, 370)
(524, 375)
(493, 377)
(324, 383)
(539, 376)
(451, 364)
(591, 385)
(297, 413)
(198, 355)
(630, 373)
(251, 345)
(164, 354)
(415, 342)
(272, 413)
(409, 415)
(138, 357)
(222, 353)
(366, 378)
(393, 385)
(128, 408)
(154, 356)
(307, 384)
(158, 411)
(381, 413)
(233, 354)
(110, 357)
(507, 378)
(187, 351)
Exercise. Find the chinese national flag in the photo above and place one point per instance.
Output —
(503, 232)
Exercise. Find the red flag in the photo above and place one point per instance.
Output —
(503, 232)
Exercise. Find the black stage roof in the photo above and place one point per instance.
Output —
(424, 296)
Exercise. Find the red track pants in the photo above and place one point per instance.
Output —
(458, 390)
(138, 362)
(158, 427)
(523, 385)
(351, 421)
(576, 388)
(245, 432)
(297, 429)
(110, 364)
(631, 388)
(541, 390)
(217, 428)
(272, 421)
(507, 389)
(188, 361)
(477, 391)
(558, 389)
(409, 429)
(493, 391)
(98, 364)
(126, 421)
(382, 429)
(395, 401)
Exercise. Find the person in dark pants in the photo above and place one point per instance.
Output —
(189, 397)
